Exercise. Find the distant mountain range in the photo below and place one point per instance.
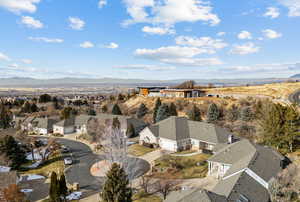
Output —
(82, 82)
(295, 76)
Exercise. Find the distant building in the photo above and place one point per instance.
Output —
(170, 92)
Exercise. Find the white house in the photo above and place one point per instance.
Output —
(179, 133)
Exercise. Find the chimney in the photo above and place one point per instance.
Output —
(230, 139)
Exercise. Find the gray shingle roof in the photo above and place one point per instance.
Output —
(45, 123)
(263, 161)
(194, 195)
(178, 128)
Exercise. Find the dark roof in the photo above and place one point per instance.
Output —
(242, 186)
(44, 123)
(66, 122)
(194, 195)
(248, 162)
(178, 128)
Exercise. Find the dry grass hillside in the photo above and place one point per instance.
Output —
(275, 90)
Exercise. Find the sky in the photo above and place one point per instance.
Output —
(149, 39)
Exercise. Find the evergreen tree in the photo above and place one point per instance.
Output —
(116, 110)
(116, 123)
(213, 113)
(116, 187)
(194, 114)
(233, 113)
(104, 109)
(91, 112)
(130, 132)
(291, 127)
(45, 98)
(54, 188)
(156, 107)
(10, 147)
(34, 108)
(142, 111)
(26, 107)
(162, 113)
(5, 117)
(173, 109)
(63, 189)
(246, 114)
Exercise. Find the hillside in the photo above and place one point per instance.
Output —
(274, 90)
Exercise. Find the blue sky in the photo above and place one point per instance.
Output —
(149, 39)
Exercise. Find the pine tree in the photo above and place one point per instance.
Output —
(116, 187)
(156, 107)
(116, 110)
(104, 109)
(63, 189)
(213, 113)
(246, 114)
(291, 127)
(173, 109)
(54, 188)
(233, 113)
(116, 123)
(162, 113)
(130, 131)
(194, 114)
(5, 117)
(34, 108)
(142, 111)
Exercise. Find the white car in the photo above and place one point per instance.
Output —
(68, 161)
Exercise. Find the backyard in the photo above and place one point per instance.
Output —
(181, 167)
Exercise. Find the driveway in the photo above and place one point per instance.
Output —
(79, 172)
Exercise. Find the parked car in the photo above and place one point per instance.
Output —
(68, 161)
(65, 149)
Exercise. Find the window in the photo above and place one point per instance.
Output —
(242, 198)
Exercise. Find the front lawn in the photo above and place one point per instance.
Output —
(55, 163)
(143, 197)
(185, 167)
(139, 150)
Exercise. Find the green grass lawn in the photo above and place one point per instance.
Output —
(143, 197)
(174, 167)
(55, 163)
(139, 150)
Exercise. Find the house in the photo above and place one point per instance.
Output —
(182, 93)
(245, 171)
(179, 133)
(150, 91)
(33, 124)
(79, 124)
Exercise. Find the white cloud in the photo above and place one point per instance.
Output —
(272, 12)
(273, 67)
(102, 3)
(76, 23)
(221, 33)
(244, 35)
(170, 12)
(112, 45)
(4, 57)
(31, 22)
(26, 61)
(146, 67)
(158, 30)
(244, 49)
(293, 6)
(177, 55)
(18, 6)
(45, 39)
(87, 44)
(271, 34)
(206, 43)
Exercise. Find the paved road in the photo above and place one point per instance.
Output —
(295, 97)
(79, 172)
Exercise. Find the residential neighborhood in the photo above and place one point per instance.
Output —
(149, 101)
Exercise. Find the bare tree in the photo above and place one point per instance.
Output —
(165, 186)
(13, 194)
(145, 183)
